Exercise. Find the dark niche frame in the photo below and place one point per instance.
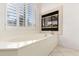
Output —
(50, 21)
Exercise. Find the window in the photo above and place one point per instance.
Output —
(21, 14)
(16, 14)
(12, 14)
(30, 15)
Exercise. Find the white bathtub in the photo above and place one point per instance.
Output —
(31, 44)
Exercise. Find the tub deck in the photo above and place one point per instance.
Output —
(29, 45)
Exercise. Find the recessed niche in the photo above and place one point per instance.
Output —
(49, 21)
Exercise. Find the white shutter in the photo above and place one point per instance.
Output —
(21, 7)
(11, 14)
(30, 14)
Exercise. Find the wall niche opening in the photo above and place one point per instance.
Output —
(49, 21)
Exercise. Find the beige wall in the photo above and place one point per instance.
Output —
(70, 37)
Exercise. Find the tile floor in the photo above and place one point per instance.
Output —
(60, 51)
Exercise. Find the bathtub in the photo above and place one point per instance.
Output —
(29, 45)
